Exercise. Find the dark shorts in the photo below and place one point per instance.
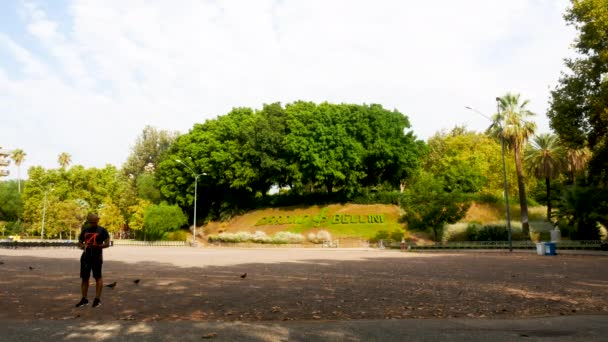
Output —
(88, 264)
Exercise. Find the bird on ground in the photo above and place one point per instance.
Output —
(244, 275)
(136, 281)
(31, 268)
(113, 285)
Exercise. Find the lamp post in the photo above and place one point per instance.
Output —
(504, 166)
(195, 195)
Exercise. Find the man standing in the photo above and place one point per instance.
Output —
(92, 240)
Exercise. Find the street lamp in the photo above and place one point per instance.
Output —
(504, 166)
(195, 195)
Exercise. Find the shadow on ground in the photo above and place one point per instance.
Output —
(446, 286)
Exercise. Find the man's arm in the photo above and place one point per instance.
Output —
(82, 245)
(106, 243)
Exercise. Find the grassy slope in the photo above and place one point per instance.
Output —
(481, 213)
(363, 230)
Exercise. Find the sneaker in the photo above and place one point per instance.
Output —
(82, 302)
(96, 302)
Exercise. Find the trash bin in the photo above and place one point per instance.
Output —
(540, 248)
(550, 248)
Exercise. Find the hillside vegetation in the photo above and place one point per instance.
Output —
(258, 220)
(354, 220)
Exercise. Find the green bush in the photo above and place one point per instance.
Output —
(397, 235)
(257, 237)
(492, 232)
(162, 218)
(380, 235)
(460, 231)
(179, 235)
(495, 231)
(287, 237)
(378, 197)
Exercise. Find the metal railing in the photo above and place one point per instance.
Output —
(151, 243)
(564, 244)
(74, 243)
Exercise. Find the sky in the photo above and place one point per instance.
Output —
(85, 77)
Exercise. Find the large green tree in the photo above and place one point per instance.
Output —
(545, 157)
(137, 216)
(110, 216)
(310, 148)
(88, 187)
(579, 104)
(329, 156)
(148, 151)
(515, 126)
(428, 206)
(11, 203)
(467, 161)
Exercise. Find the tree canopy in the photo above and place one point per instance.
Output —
(305, 146)
(579, 104)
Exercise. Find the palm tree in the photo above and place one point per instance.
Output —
(546, 158)
(516, 130)
(64, 159)
(18, 156)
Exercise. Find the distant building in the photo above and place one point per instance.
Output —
(4, 162)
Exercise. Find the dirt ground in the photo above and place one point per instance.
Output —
(205, 284)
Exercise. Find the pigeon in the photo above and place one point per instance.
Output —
(136, 281)
(244, 275)
(113, 285)
(31, 268)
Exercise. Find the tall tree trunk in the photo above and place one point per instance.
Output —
(548, 184)
(523, 203)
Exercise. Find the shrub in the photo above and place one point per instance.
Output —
(257, 237)
(162, 218)
(323, 235)
(382, 197)
(231, 237)
(261, 237)
(319, 237)
(492, 232)
(179, 235)
(380, 235)
(495, 231)
(397, 235)
(460, 232)
(287, 237)
(312, 237)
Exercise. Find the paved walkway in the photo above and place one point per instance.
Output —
(566, 328)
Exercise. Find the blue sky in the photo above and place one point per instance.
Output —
(85, 77)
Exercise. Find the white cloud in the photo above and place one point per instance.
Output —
(117, 66)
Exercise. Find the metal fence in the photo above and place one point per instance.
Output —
(389, 244)
(74, 243)
(151, 243)
(39, 243)
(564, 244)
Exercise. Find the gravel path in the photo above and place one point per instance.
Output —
(201, 284)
